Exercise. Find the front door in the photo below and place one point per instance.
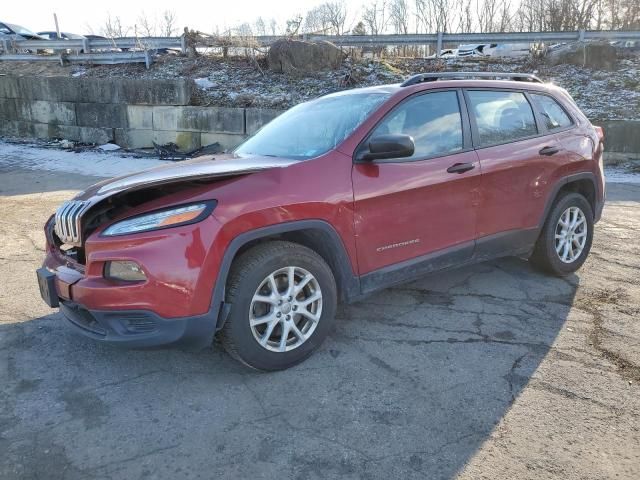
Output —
(419, 209)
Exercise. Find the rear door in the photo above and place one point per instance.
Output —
(520, 161)
(406, 208)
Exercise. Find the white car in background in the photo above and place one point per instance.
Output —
(494, 50)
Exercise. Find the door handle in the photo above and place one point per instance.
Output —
(460, 167)
(549, 151)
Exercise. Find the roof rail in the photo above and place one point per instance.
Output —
(432, 77)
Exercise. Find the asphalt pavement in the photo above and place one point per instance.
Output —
(493, 371)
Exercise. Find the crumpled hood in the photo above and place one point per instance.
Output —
(207, 166)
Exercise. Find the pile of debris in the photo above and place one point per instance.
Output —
(247, 81)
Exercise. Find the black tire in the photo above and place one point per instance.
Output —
(246, 275)
(544, 256)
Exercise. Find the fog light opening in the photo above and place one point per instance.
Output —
(124, 271)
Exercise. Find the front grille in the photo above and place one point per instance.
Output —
(67, 221)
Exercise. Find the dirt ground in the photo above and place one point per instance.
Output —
(489, 372)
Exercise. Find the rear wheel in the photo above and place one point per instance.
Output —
(283, 301)
(565, 240)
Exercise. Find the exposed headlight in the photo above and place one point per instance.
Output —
(171, 217)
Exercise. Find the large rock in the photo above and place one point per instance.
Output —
(600, 55)
(298, 56)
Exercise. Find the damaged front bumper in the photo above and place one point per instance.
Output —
(121, 314)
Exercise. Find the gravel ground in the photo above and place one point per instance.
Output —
(489, 372)
(242, 82)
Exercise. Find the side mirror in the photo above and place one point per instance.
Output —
(388, 146)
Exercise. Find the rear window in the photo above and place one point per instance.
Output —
(552, 113)
(501, 117)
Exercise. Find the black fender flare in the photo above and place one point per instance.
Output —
(341, 263)
(563, 182)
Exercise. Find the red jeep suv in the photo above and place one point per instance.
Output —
(335, 199)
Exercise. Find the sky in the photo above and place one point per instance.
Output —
(83, 16)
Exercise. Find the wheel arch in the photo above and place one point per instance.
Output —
(582, 183)
(318, 235)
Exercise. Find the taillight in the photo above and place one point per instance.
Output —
(600, 132)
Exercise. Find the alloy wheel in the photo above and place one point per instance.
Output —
(285, 309)
(571, 234)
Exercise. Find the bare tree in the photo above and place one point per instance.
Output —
(317, 20)
(293, 25)
(375, 17)
(273, 26)
(168, 25)
(399, 16)
(424, 18)
(336, 15)
(465, 19)
(113, 27)
(434, 15)
(146, 26)
(243, 30)
(260, 26)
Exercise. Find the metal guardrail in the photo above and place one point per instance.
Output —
(106, 58)
(95, 51)
(98, 44)
(498, 37)
(137, 49)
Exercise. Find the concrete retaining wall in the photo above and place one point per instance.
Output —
(621, 139)
(131, 113)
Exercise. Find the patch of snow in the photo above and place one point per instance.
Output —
(93, 163)
(204, 83)
(109, 147)
(621, 175)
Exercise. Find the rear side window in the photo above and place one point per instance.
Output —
(501, 116)
(553, 114)
(432, 119)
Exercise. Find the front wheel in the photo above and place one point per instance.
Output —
(283, 300)
(565, 240)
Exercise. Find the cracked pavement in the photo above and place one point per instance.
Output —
(488, 372)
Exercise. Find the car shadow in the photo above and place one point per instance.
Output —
(410, 383)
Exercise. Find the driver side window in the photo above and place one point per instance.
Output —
(433, 120)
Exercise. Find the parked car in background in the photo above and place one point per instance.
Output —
(17, 32)
(494, 50)
(333, 200)
(63, 36)
(511, 50)
(476, 50)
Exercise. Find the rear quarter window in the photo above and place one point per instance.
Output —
(501, 116)
(553, 115)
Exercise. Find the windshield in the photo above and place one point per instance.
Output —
(19, 30)
(313, 128)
